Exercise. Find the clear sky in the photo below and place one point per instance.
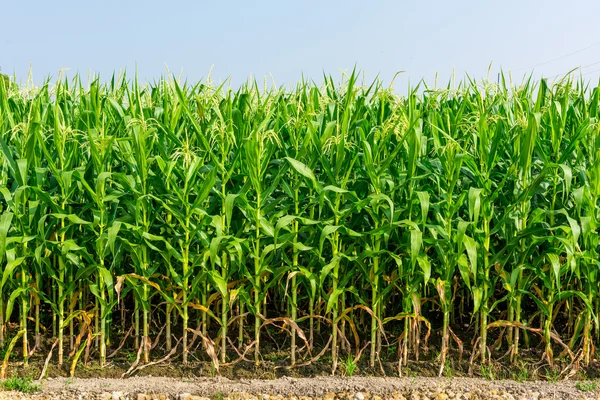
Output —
(288, 38)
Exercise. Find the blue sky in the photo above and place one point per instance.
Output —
(286, 39)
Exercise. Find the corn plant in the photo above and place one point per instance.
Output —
(188, 210)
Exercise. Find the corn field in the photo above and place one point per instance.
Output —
(203, 222)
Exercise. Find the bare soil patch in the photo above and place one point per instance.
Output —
(321, 388)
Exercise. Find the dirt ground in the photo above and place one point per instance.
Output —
(273, 380)
(321, 388)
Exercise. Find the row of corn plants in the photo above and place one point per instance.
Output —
(198, 220)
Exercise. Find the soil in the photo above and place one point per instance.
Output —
(272, 380)
(321, 388)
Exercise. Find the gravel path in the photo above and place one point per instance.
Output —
(322, 388)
